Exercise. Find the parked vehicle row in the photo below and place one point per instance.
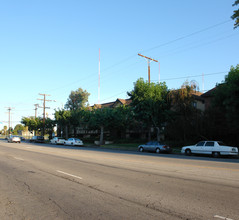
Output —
(214, 148)
(70, 141)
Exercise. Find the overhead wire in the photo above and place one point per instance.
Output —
(187, 36)
(135, 55)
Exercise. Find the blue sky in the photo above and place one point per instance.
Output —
(52, 47)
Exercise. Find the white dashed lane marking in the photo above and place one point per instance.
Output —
(18, 158)
(68, 174)
(221, 217)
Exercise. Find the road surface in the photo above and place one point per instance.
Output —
(48, 182)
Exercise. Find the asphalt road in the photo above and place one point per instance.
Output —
(48, 182)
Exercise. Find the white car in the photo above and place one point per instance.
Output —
(14, 138)
(214, 148)
(74, 142)
(57, 140)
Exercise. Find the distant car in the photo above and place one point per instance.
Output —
(74, 142)
(214, 148)
(22, 138)
(37, 139)
(155, 146)
(14, 138)
(57, 140)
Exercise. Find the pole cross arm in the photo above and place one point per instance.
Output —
(148, 58)
(148, 64)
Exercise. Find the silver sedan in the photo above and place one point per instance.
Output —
(155, 146)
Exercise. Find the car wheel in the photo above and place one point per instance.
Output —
(215, 154)
(141, 149)
(188, 152)
(157, 151)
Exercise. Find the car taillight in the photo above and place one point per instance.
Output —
(164, 146)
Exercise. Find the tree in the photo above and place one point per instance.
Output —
(185, 117)
(5, 130)
(101, 118)
(33, 124)
(226, 99)
(62, 119)
(123, 119)
(49, 126)
(150, 105)
(18, 128)
(235, 16)
(77, 99)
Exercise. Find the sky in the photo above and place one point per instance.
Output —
(52, 47)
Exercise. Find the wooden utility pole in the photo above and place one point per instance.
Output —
(9, 119)
(36, 107)
(148, 58)
(44, 110)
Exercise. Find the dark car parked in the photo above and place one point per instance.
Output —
(37, 139)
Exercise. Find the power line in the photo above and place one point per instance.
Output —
(132, 56)
(174, 79)
(200, 45)
(190, 76)
(186, 36)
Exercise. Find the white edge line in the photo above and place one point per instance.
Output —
(69, 174)
(221, 217)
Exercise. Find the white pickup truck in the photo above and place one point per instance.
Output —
(214, 148)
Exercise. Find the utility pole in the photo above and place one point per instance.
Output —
(148, 58)
(44, 110)
(99, 81)
(36, 107)
(9, 118)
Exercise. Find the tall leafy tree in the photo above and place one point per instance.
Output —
(77, 99)
(49, 126)
(184, 122)
(62, 118)
(33, 124)
(150, 104)
(123, 119)
(101, 118)
(235, 15)
(226, 99)
(18, 128)
(5, 129)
